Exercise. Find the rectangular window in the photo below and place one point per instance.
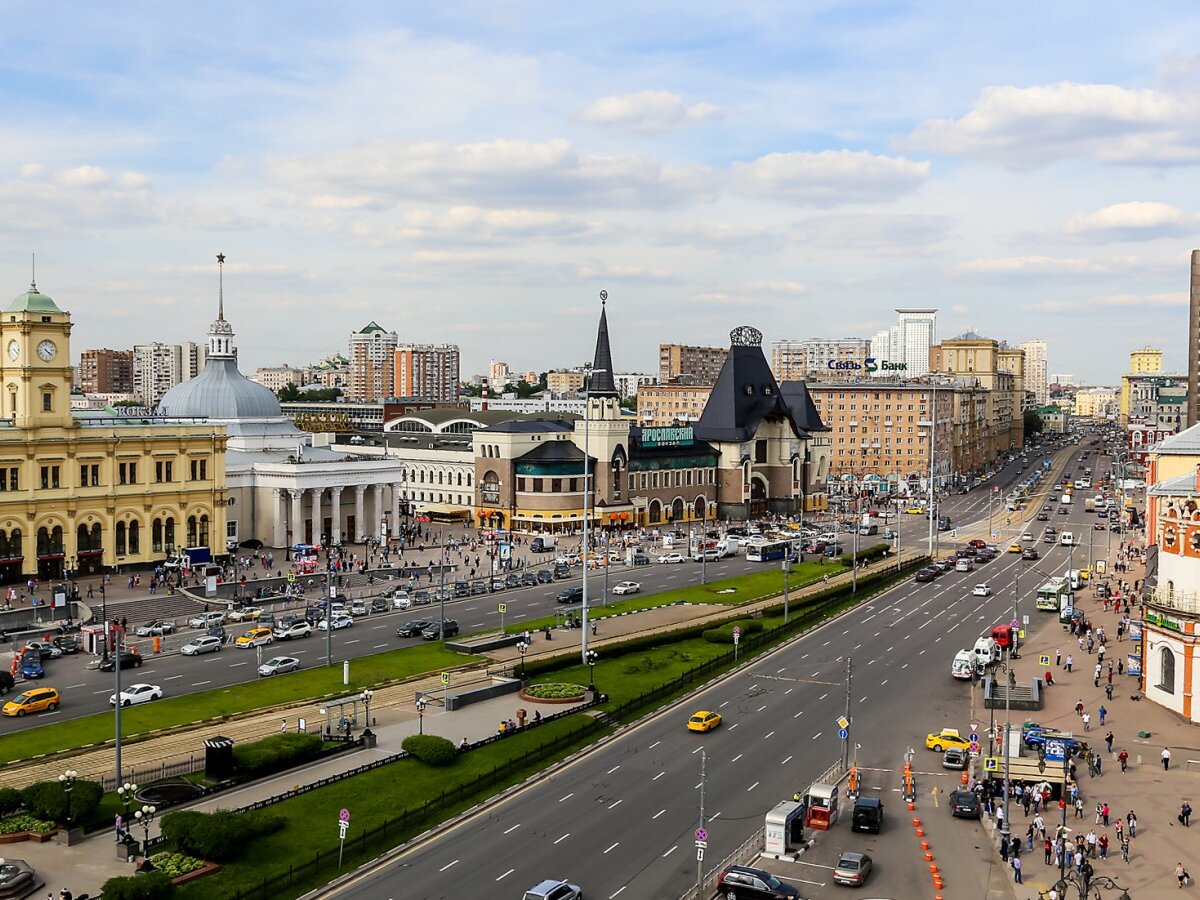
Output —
(54, 476)
(158, 472)
(83, 475)
(196, 470)
(45, 473)
(204, 470)
(14, 483)
(520, 484)
(556, 485)
(47, 402)
(760, 451)
(170, 471)
(121, 473)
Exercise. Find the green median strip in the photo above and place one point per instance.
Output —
(278, 690)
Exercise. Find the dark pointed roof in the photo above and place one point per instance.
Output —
(602, 382)
(800, 402)
(745, 393)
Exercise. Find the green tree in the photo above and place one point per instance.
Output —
(289, 393)
(1033, 422)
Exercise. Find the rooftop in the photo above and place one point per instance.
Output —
(1185, 443)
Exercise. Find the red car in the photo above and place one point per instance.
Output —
(977, 544)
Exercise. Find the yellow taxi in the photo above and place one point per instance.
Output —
(915, 511)
(945, 739)
(255, 637)
(704, 720)
(1014, 548)
(41, 699)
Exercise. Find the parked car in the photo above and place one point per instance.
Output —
(744, 883)
(528, 579)
(67, 643)
(245, 614)
(462, 589)
(421, 598)
(412, 629)
(204, 620)
(44, 649)
(30, 665)
(39, 699)
(278, 665)
(358, 607)
(627, 587)
(137, 693)
(436, 633)
(156, 628)
(205, 643)
(562, 570)
(965, 804)
(218, 631)
(545, 576)
(380, 604)
(478, 587)
(852, 868)
(130, 659)
(292, 630)
(498, 585)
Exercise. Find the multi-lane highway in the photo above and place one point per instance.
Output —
(620, 820)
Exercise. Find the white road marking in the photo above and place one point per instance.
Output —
(736, 758)
(788, 691)
(514, 828)
(723, 705)
(613, 847)
(613, 769)
(761, 708)
(197, 683)
(786, 761)
(817, 735)
(734, 725)
(655, 744)
(506, 874)
(798, 715)
(752, 787)
(448, 865)
(619, 890)
(823, 696)
(563, 838)
(669, 852)
(769, 733)
(70, 686)
(172, 677)
(235, 665)
(658, 776)
(615, 805)
(568, 797)
(657, 814)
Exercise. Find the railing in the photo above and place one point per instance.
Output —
(1177, 601)
(148, 774)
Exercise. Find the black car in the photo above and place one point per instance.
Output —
(413, 628)
(512, 580)
(744, 882)
(965, 805)
(545, 576)
(380, 604)
(1043, 517)
(6, 682)
(462, 589)
(478, 587)
(421, 598)
(562, 571)
(432, 633)
(570, 595)
(129, 660)
(926, 574)
(218, 631)
(67, 643)
(529, 580)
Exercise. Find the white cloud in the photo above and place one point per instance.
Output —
(32, 170)
(881, 234)
(793, 288)
(1026, 127)
(1167, 300)
(1046, 265)
(596, 271)
(83, 176)
(722, 237)
(647, 112)
(830, 177)
(1136, 220)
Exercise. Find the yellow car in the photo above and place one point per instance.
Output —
(945, 739)
(33, 700)
(255, 637)
(704, 721)
(915, 511)
(1014, 548)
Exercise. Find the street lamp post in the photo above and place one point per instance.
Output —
(421, 704)
(522, 648)
(145, 816)
(67, 780)
(587, 523)
(125, 794)
(367, 695)
(1089, 887)
(591, 661)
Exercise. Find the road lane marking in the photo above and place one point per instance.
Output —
(657, 814)
(448, 865)
(723, 705)
(734, 725)
(172, 677)
(514, 828)
(70, 686)
(752, 787)
(613, 847)
(736, 758)
(817, 735)
(697, 750)
(563, 838)
(788, 691)
(769, 733)
(798, 715)
(761, 708)
(822, 697)
(619, 890)
(786, 761)
(669, 852)
(659, 775)
(568, 797)
(655, 744)
(615, 805)
(506, 874)
(235, 665)
(198, 683)
(882, 683)
(613, 769)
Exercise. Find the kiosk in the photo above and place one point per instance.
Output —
(821, 806)
(784, 829)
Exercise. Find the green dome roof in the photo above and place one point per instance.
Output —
(33, 300)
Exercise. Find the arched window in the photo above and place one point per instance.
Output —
(120, 538)
(191, 531)
(169, 534)
(156, 536)
(43, 541)
(81, 538)
(56, 540)
(203, 542)
(1166, 670)
(135, 538)
(97, 537)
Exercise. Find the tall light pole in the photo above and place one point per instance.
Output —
(125, 794)
(591, 661)
(421, 704)
(587, 524)
(67, 780)
(117, 706)
(522, 648)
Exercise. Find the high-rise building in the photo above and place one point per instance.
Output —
(106, 372)
(158, 367)
(1000, 370)
(1036, 371)
(662, 405)
(820, 357)
(690, 365)
(498, 373)
(629, 382)
(911, 337)
(372, 364)
(428, 371)
(1193, 382)
(564, 382)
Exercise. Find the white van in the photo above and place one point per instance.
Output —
(1066, 539)
(962, 666)
(985, 652)
(1066, 498)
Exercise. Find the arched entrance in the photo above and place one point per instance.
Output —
(11, 556)
(758, 497)
(50, 552)
(700, 508)
(654, 512)
(677, 508)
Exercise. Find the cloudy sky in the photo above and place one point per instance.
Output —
(478, 172)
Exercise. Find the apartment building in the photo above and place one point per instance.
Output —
(429, 371)
(690, 365)
(662, 405)
(158, 367)
(372, 364)
(996, 367)
(564, 382)
(818, 358)
(1036, 370)
(105, 372)
(276, 378)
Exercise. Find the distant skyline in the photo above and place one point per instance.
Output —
(476, 173)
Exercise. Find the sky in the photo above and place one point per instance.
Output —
(477, 173)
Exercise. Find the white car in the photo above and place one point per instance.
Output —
(137, 693)
(338, 622)
(206, 620)
(206, 643)
(981, 590)
(401, 600)
(358, 608)
(245, 615)
(627, 587)
(672, 558)
(1027, 536)
(155, 628)
(292, 630)
(278, 665)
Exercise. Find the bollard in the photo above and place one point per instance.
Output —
(917, 821)
(911, 807)
(920, 832)
(929, 858)
(924, 845)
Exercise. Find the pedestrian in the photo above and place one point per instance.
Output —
(1185, 814)
(1057, 655)
(1078, 807)
(283, 727)
(1087, 721)
(1099, 813)
(1103, 842)
(1104, 813)
(1103, 713)
(1096, 676)
(1004, 850)
(1131, 822)
(1016, 864)
(1180, 874)
(1125, 851)
(1123, 759)
(1070, 661)
(1166, 758)
(1108, 741)
(1048, 847)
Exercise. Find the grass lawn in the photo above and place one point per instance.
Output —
(373, 798)
(366, 671)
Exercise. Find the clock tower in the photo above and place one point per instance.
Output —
(35, 362)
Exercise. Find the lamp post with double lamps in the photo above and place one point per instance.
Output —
(125, 794)
(421, 704)
(366, 696)
(67, 780)
(591, 661)
(522, 648)
(145, 816)
(1093, 888)
(1011, 675)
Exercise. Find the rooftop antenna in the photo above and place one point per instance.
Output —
(221, 287)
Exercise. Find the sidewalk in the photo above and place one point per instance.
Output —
(1153, 794)
(85, 866)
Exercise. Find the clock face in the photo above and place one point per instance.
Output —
(14, 350)
(46, 350)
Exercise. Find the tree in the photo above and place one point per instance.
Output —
(1033, 422)
(289, 393)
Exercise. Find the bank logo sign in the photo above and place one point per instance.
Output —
(869, 365)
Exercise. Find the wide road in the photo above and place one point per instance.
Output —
(620, 821)
(86, 691)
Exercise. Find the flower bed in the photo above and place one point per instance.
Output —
(181, 868)
(554, 692)
(14, 829)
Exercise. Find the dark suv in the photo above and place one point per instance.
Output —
(432, 632)
(571, 595)
(738, 882)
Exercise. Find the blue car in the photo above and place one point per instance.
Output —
(31, 665)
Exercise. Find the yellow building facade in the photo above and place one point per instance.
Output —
(92, 490)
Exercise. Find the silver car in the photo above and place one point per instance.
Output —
(206, 643)
(278, 665)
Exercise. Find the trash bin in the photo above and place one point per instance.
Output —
(218, 757)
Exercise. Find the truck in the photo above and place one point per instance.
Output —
(985, 652)
(197, 556)
(1089, 505)
(543, 543)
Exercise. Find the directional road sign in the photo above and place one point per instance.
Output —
(843, 733)
(973, 737)
(991, 764)
(1044, 659)
(701, 834)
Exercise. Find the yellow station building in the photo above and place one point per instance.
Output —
(91, 490)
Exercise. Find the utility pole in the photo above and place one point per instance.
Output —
(117, 705)
(787, 574)
(699, 856)
(704, 543)
(442, 580)
(846, 743)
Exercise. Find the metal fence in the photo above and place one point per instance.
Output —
(185, 766)
(746, 853)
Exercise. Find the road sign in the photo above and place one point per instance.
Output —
(1044, 659)
(1056, 750)
(843, 733)
(503, 607)
(1025, 620)
(1015, 623)
(737, 635)
(737, 629)
(991, 764)
(701, 834)
(843, 722)
(703, 845)
(700, 854)
(974, 747)
(973, 737)
(344, 815)
(445, 678)
(342, 826)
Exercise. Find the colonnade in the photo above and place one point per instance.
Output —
(296, 506)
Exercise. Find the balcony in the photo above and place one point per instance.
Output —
(1172, 601)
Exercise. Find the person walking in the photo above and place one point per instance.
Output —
(1103, 842)
(1185, 814)
(1125, 851)
(1180, 874)
(1087, 721)
(1123, 759)
(1165, 756)
(1131, 823)
(1004, 850)
(1104, 813)
(1103, 712)
(1016, 864)
(1108, 741)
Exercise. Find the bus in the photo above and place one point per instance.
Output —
(1054, 594)
(766, 550)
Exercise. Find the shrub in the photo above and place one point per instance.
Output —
(220, 835)
(10, 801)
(555, 690)
(17, 824)
(868, 554)
(723, 634)
(45, 800)
(175, 864)
(430, 749)
(146, 886)
(279, 751)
